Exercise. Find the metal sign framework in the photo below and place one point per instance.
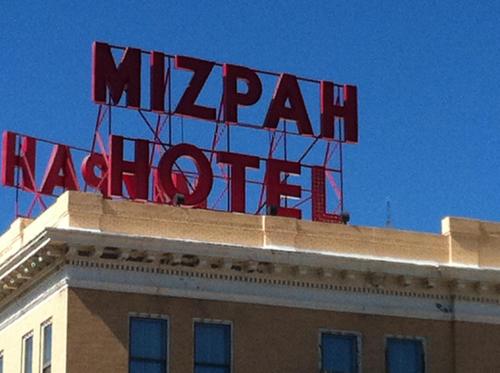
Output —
(161, 130)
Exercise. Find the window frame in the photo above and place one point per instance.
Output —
(136, 315)
(216, 322)
(25, 337)
(43, 325)
(407, 337)
(359, 343)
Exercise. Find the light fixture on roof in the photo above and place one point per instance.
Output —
(179, 199)
(272, 210)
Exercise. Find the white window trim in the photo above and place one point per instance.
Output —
(411, 337)
(42, 336)
(149, 316)
(219, 322)
(359, 343)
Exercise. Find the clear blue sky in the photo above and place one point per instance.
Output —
(428, 74)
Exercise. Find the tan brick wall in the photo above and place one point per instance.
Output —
(477, 348)
(266, 338)
(53, 308)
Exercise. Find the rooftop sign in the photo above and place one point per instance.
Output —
(242, 105)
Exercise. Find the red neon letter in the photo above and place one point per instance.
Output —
(89, 164)
(238, 163)
(205, 175)
(201, 70)
(233, 98)
(157, 81)
(60, 171)
(25, 160)
(319, 197)
(276, 188)
(137, 170)
(126, 77)
(288, 90)
(330, 110)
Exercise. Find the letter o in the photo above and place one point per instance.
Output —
(205, 174)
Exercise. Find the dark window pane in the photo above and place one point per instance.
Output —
(148, 338)
(28, 355)
(148, 345)
(212, 344)
(211, 369)
(339, 353)
(405, 355)
(146, 367)
(47, 346)
(1, 364)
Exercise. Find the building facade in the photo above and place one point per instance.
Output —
(99, 285)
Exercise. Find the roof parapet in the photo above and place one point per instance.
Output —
(472, 242)
(463, 242)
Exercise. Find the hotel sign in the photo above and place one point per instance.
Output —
(144, 175)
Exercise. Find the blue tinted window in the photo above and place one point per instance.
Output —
(47, 348)
(148, 345)
(339, 353)
(405, 355)
(28, 354)
(212, 352)
(1, 363)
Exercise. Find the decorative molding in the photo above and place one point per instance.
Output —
(247, 274)
(17, 308)
(265, 290)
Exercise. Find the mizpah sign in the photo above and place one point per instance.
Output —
(275, 148)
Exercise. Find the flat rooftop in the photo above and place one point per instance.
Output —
(462, 242)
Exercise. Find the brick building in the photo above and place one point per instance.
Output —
(96, 285)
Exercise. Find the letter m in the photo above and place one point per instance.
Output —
(125, 77)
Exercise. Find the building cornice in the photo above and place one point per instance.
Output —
(120, 238)
(268, 268)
